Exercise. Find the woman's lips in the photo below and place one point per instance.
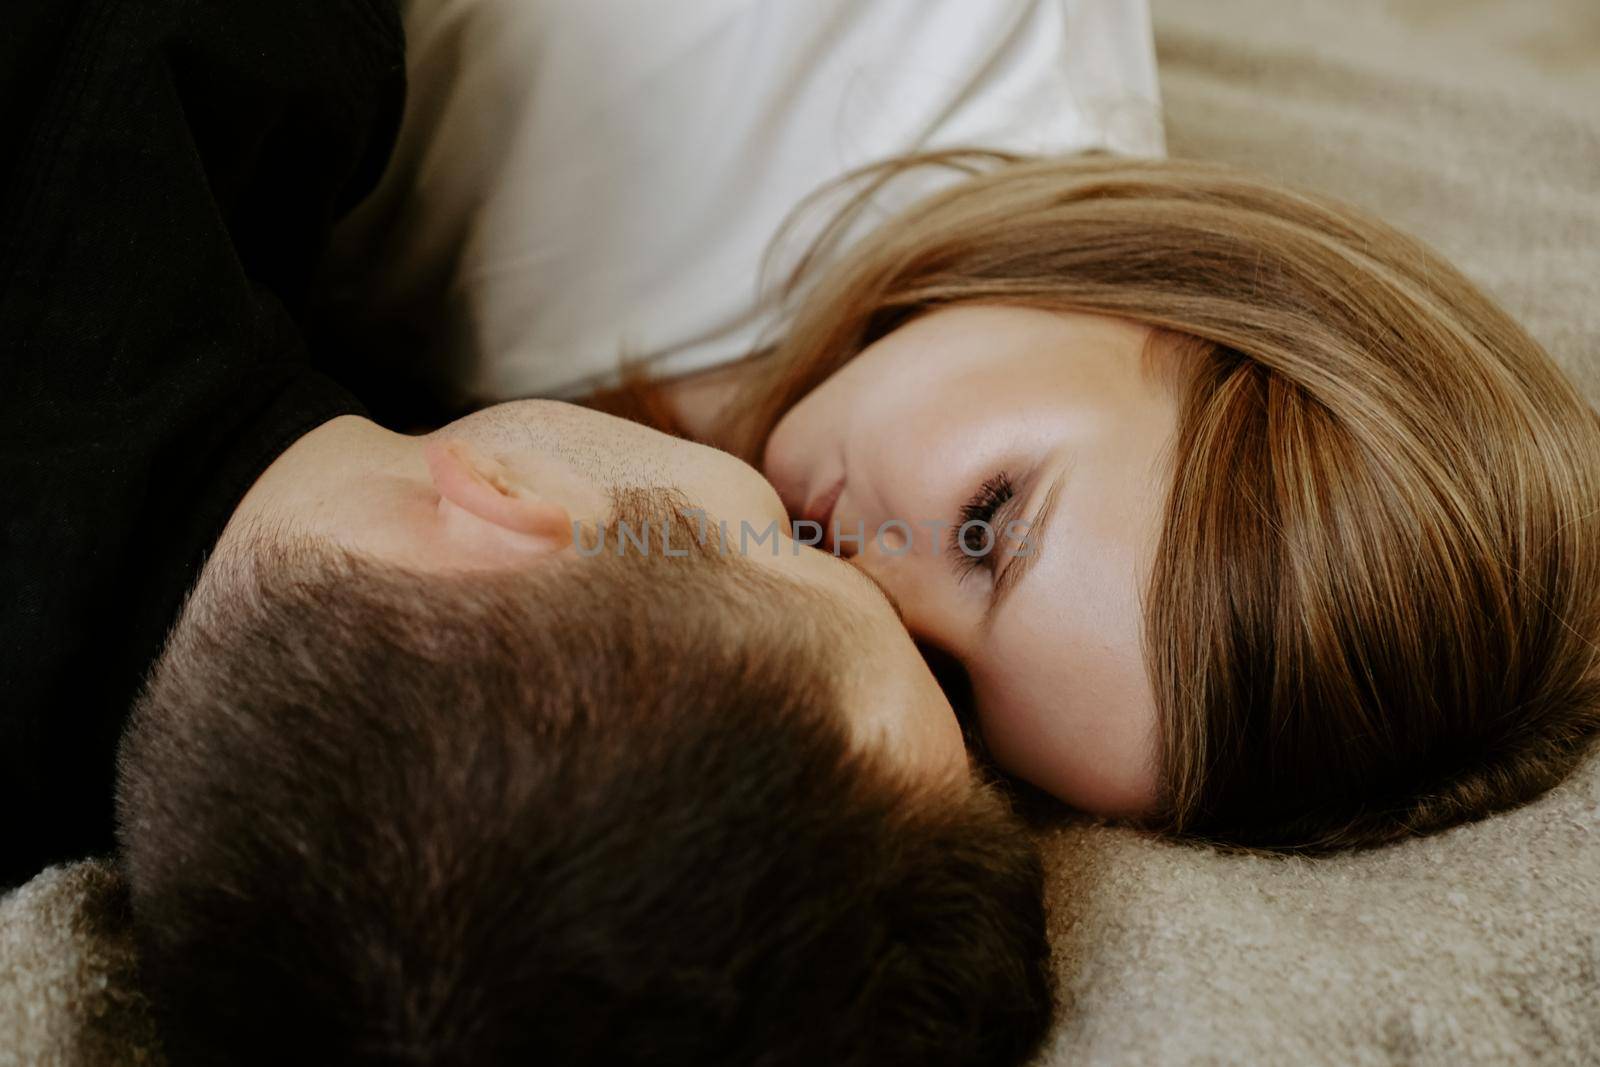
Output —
(820, 510)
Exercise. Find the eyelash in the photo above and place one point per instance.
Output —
(992, 495)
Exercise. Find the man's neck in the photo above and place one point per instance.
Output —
(311, 473)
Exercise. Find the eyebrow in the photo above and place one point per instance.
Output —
(1034, 539)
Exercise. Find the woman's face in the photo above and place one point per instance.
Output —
(1055, 426)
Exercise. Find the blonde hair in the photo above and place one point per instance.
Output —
(1376, 599)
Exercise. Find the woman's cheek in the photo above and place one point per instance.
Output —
(791, 454)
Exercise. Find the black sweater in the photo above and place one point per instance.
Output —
(169, 171)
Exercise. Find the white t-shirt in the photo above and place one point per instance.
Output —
(582, 181)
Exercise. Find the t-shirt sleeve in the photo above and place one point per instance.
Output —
(580, 182)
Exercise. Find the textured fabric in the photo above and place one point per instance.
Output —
(580, 181)
(69, 995)
(171, 171)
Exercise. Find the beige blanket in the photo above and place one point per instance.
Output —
(1475, 124)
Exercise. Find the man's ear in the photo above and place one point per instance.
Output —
(485, 515)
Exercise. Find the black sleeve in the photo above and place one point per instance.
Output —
(169, 172)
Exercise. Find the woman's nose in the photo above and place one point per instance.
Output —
(912, 582)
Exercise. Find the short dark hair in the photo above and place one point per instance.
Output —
(606, 813)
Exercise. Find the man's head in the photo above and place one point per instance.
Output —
(616, 809)
(501, 491)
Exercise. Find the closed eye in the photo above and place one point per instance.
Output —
(974, 538)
